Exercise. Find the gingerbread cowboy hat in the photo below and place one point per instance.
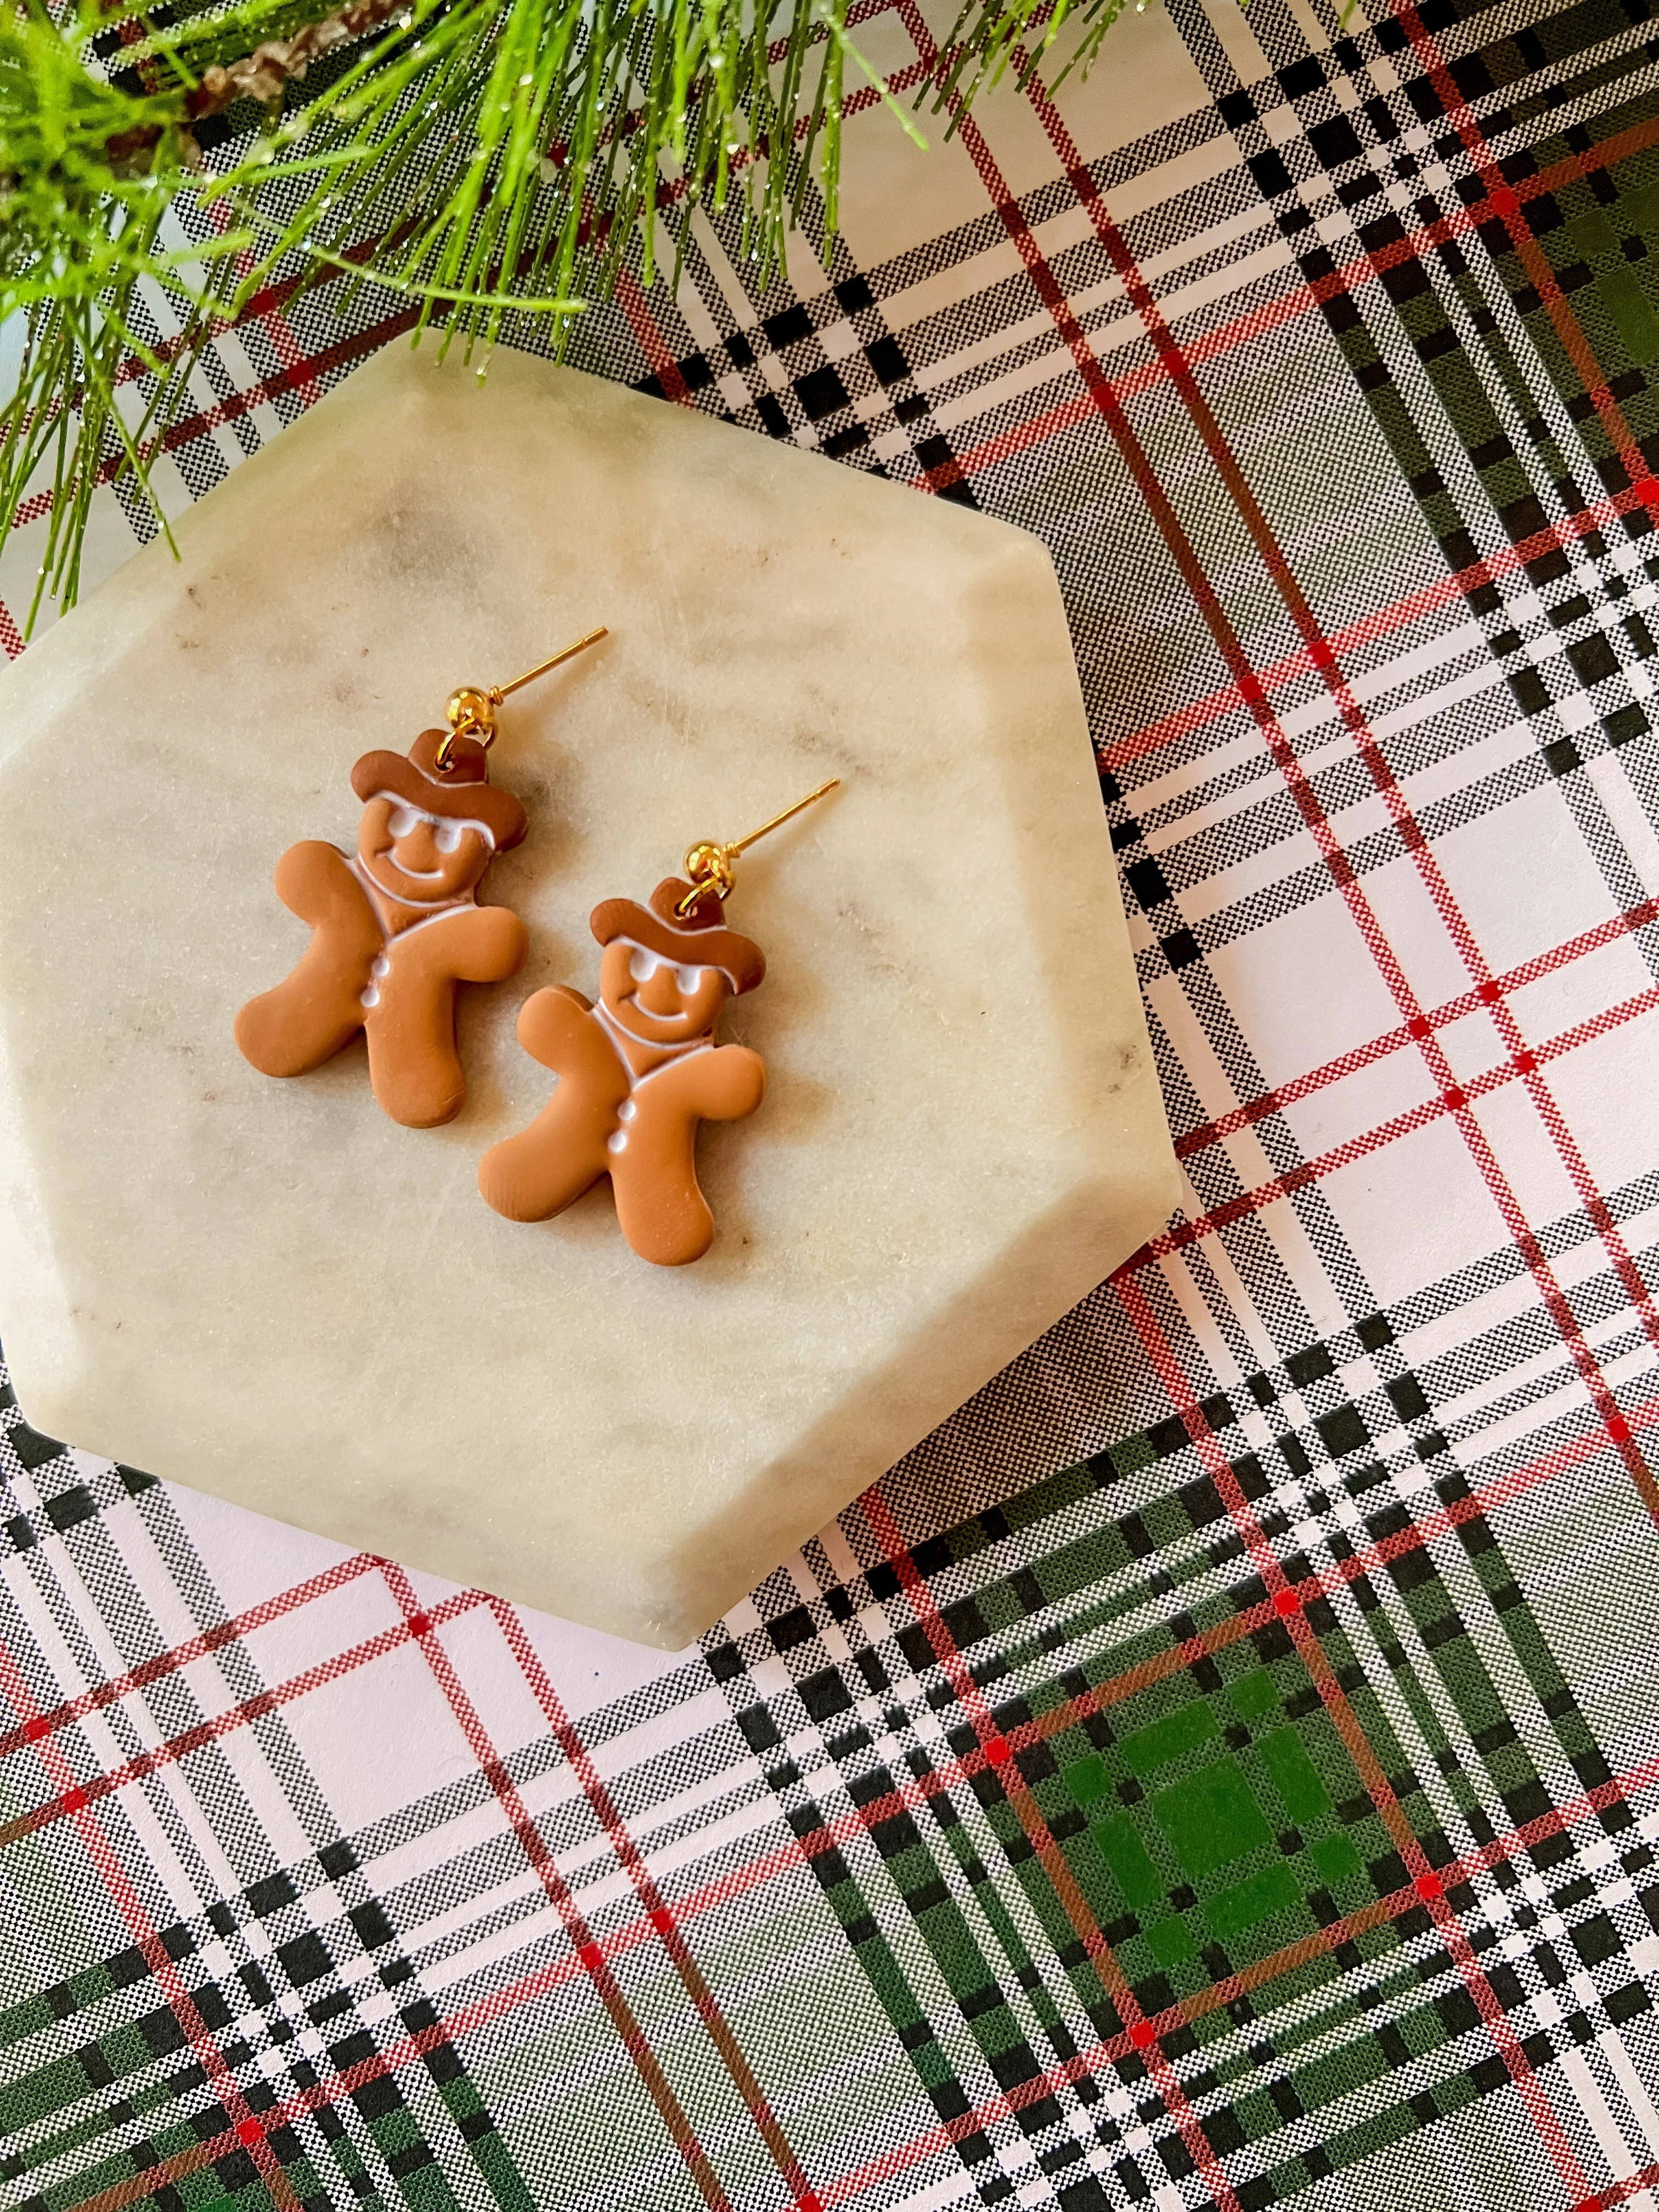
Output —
(698, 939)
(461, 789)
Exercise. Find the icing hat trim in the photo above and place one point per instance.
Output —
(700, 939)
(464, 791)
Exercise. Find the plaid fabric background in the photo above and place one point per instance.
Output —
(1221, 1767)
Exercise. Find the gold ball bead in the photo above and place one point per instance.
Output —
(471, 708)
(711, 865)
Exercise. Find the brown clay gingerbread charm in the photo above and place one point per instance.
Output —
(638, 1071)
(397, 925)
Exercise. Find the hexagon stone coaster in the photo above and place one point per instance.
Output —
(270, 1290)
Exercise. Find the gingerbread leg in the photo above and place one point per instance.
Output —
(303, 1022)
(659, 1208)
(308, 1018)
(547, 1166)
(413, 1064)
(661, 1211)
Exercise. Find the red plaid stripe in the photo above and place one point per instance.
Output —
(1190, 364)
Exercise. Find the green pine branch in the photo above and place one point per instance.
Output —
(482, 158)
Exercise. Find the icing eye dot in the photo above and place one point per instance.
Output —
(642, 964)
(403, 819)
(688, 979)
(447, 836)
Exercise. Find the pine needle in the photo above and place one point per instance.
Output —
(481, 158)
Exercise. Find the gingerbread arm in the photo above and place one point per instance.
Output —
(486, 945)
(543, 1168)
(413, 1063)
(310, 1015)
(315, 882)
(726, 1085)
(556, 1027)
(660, 1208)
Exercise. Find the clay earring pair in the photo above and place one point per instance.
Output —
(397, 928)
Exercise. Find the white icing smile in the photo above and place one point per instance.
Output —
(642, 966)
(447, 831)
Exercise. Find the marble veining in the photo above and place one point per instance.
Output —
(268, 1290)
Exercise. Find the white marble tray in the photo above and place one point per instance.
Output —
(267, 1289)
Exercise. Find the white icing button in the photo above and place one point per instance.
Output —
(627, 1110)
(380, 965)
(371, 997)
(617, 1141)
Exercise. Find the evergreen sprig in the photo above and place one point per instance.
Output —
(480, 157)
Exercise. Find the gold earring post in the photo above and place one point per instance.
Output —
(565, 652)
(471, 709)
(787, 815)
(712, 867)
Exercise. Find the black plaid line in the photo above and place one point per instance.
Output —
(1415, 1570)
(1288, 1339)
(277, 1897)
(1436, 1843)
(1216, 1179)
(67, 1509)
(1189, 863)
(819, 395)
(305, 1959)
(894, 1838)
(1521, 515)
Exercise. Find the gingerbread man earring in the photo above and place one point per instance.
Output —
(396, 926)
(638, 1073)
